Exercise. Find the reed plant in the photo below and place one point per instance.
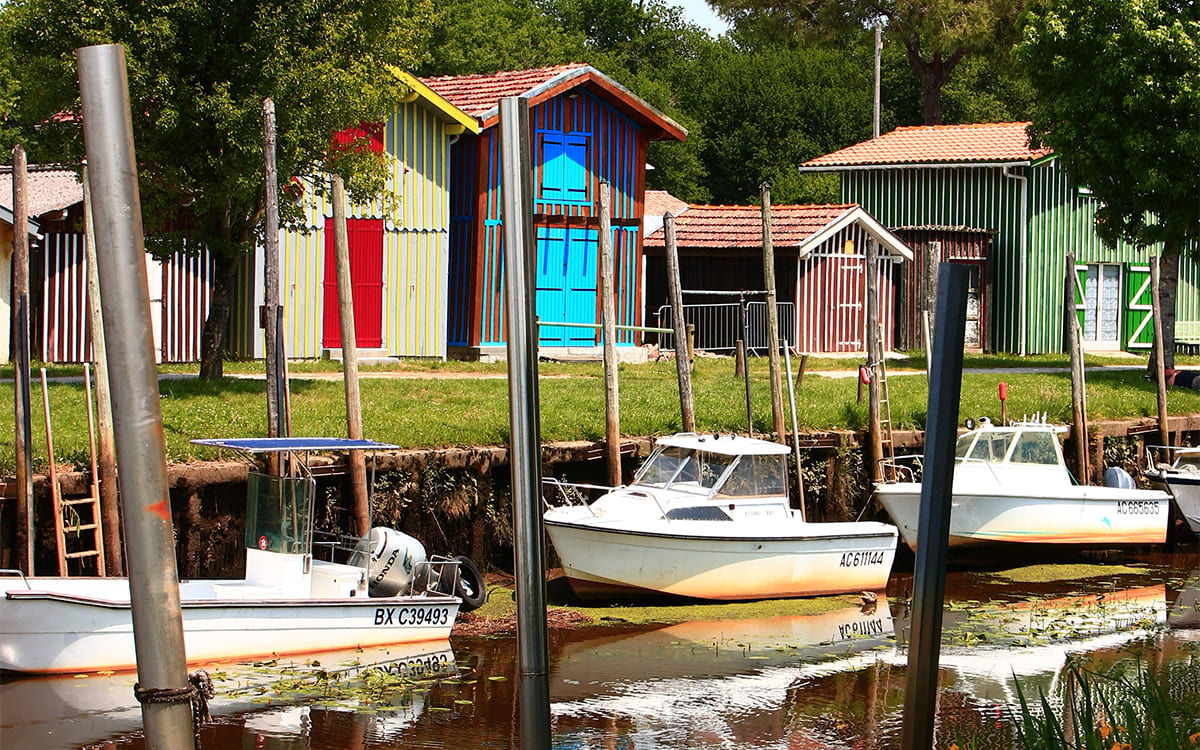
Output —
(1128, 707)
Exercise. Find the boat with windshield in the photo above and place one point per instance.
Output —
(707, 516)
(1012, 487)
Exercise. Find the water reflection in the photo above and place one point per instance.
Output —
(830, 680)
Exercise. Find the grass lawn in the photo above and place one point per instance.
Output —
(471, 407)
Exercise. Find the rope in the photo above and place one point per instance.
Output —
(197, 693)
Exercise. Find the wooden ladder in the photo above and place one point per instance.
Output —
(82, 548)
(80, 527)
(885, 412)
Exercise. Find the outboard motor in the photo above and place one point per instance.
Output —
(1115, 476)
(393, 558)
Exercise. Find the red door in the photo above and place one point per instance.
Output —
(366, 276)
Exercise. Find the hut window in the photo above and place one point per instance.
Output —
(564, 174)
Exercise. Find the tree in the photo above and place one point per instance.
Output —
(198, 73)
(469, 37)
(935, 34)
(1118, 99)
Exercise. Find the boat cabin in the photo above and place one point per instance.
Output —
(715, 478)
(1020, 452)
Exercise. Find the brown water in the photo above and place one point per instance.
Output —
(833, 680)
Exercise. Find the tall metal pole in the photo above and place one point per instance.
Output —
(929, 573)
(878, 57)
(22, 421)
(141, 455)
(271, 261)
(354, 431)
(683, 349)
(525, 452)
(768, 249)
(1160, 378)
(608, 313)
(106, 460)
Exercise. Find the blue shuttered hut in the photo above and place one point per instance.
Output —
(1012, 213)
(586, 128)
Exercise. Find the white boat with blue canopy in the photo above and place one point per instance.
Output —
(708, 517)
(384, 592)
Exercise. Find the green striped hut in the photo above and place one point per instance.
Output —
(1011, 211)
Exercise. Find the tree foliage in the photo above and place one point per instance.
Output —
(937, 35)
(198, 73)
(1118, 99)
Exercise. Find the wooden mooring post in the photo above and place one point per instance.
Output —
(608, 313)
(768, 251)
(22, 421)
(356, 462)
(682, 335)
(1079, 429)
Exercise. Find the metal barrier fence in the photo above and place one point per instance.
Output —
(717, 325)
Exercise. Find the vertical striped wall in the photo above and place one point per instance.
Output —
(1058, 219)
(831, 298)
(978, 197)
(1062, 219)
(415, 208)
(616, 152)
(180, 291)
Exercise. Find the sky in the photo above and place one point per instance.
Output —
(698, 12)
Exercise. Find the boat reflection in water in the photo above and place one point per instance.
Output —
(720, 682)
(71, 711)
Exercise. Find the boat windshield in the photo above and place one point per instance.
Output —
(991, 447)
(683, 469)
(757, 475)
(1037, 447)
(963, 445)
(279, 513)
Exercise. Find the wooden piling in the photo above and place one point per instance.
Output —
(271, 286)
(106, 460)
(356, 462)
(875, 359)
(1079, 431)
(768, 250)
(612, 409)
(22, 421)
(1160, 376)
(682, 336)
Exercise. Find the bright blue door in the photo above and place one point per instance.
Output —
(566, 285)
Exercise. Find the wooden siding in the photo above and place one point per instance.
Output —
(415, 210)
(180, 290)
(977, 197)
(831, 296)
(1058, 217)
(613, 148)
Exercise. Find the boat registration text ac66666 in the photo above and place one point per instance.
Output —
(412, 615)
(1138, 507)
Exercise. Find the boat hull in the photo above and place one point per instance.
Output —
(689, 560)
(1185, 490)
(45, 628)
(1101, 517)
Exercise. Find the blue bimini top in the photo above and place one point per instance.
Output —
(285, 444)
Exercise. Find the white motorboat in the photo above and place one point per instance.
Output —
(386, 592)
(1181, 478)
(707, 517)
(1012, 487)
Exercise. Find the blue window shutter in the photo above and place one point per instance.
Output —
(554, 166)
(575, 176)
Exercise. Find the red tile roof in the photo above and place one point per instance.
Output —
(50, 189)
(479, 95)
(938, 144)
(741, 226)
(476, 94)
(659, 202)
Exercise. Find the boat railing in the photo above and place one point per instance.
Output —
(1158, 456)
(337, 546)
(437, 575)
(902, 468)
(571, 493)
(16, 572)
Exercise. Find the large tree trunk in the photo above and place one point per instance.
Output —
(1168, 285)
(931, 75)
(212, 341)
